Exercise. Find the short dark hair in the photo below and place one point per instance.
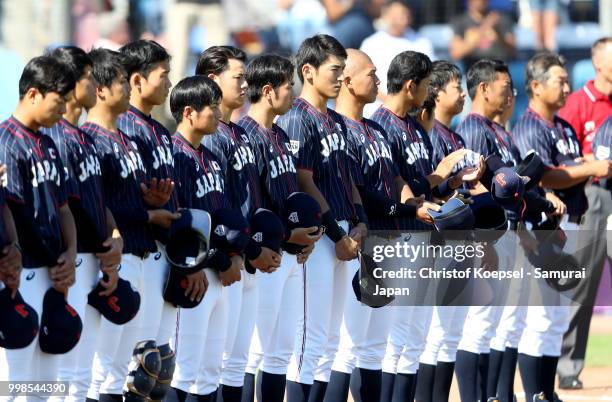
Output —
(215, 59)
(442, 72)
(107, 66)
(141, 56)
(538, 67)
(269, 69)
(407, 66)
(46, 74)
(197, 91)
(74, 58)
(484, 71)
(316, 50)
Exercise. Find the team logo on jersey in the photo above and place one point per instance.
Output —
(258, 237)
(602, 152)
(271, 148)
(157, 256)
(293, 146)
(52, 153)
(392, 210)
(79, 261)
(404, 137)
(293, 217)
(197, 165)
(362, 137)
(220, 230)
(215, 165)
(165, 140)
(31, 276)
(244, 138)
(116, 148)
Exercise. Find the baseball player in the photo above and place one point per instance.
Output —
(10, 261)
(323, 169)
(36, 194)
(411, 149)
(231, 145)
(270, 84)
(123, 171)
(99, 245)
(437, 362)
(553, 139)
(364, 331)
(147, 65)
(202, 330)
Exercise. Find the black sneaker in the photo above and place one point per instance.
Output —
(570, 383)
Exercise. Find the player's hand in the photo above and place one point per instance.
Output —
(158, 193)
(346, 248)
(422, 213)
(602, 168)
(112, 257)
(446, 165)
(416, 201)
(162, 217)
(197, 284)
(267, 261)
(2, 170)
(233, 273)
(305, 236)
(11, 281)
(10, 261)
(63, 274)
(359, 232)
(109, 280)
(559, 205)
(303, 256)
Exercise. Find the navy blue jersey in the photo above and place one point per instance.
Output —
(372, 163)
(34, 179)
(555, 143)
(83, 177)
(276, 163)
(231, 145)
(199, 174)
(483, 136)
(411, 149)
(122, 171)
(154, 144)
(445, 141)
(319, 145)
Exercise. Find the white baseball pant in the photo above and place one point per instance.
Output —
(280, 304)
(200, 340)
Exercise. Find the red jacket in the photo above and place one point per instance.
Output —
(586, 109)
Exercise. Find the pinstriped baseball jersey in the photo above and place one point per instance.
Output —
(83, 175)
(154, 144)
(231, 145)
(411, 150)
(372, 163)
(484, 136)
(602, 142)
(554, 142)
(200, 183)
(35, 179)
(444, 142)
(275, 163)
(122, 171)
(319, 145)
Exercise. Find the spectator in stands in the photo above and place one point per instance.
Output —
(351, 21)
(395, 37)
(586, 109)
(183, 15)
(545, 17)
(481, 33)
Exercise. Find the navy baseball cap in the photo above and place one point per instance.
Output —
(508, 189)
(490, 221)
(120, 306)
(301, 211)
(267, 230)
(174, 290)
(188, 241)
(230, 231)
(364, 284)
(492, 164)
(19, 323)
(531, 166)
(453, 215)
(60, 324)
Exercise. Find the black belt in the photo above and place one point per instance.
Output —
(577, 219)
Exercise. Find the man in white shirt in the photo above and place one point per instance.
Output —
(394, 37)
